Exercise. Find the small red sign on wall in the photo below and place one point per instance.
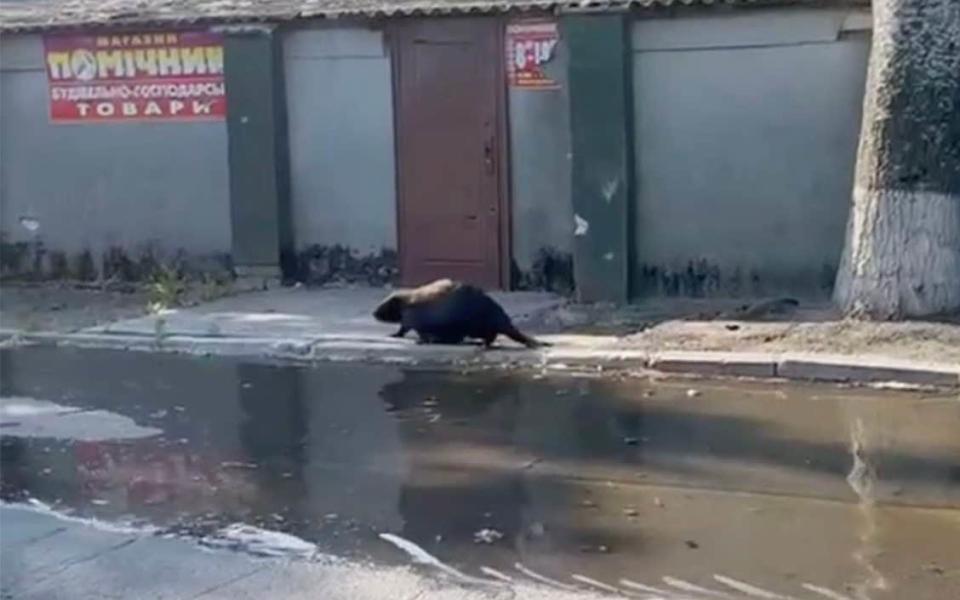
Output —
(154, 76)
(530, 46)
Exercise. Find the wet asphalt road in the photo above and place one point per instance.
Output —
(797, 488)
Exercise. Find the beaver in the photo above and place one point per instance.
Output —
(447, 312)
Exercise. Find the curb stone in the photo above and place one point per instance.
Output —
(793, 366)
(842, 369)
(723, 364)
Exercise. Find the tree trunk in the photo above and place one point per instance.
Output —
(902, 253)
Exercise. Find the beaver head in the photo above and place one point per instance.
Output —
(391, 309)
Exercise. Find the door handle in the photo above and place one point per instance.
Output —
(488, 155)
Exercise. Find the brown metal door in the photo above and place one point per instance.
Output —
(448, 141)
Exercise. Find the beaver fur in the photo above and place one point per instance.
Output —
(447, 312)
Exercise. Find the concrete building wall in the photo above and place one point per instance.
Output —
(136, 187)
(340, 115)
(541, 211)
(746, 129)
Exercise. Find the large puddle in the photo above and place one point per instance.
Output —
(794, 491)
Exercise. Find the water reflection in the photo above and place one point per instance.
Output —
(463, 474)
(618, 478)
(863, 479)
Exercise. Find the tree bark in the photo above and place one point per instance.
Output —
(902, 253)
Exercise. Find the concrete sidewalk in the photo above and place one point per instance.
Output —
(301, 314)
(49, 557)
(336, 324)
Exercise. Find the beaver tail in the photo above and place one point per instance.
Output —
(521, 338)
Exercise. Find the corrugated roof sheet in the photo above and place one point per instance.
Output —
(27, 15)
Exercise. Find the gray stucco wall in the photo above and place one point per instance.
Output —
(746, 132)
(131, 186)
(542, 214)
(340, 114)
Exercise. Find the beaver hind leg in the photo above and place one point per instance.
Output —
(494, 321)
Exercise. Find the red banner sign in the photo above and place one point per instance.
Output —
(530, 45)
(154, 76)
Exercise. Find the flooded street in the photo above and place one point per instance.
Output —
(786, 490)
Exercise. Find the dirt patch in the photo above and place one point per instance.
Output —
(70, 307)
(933, 342)
(65, 308)
(738, 326)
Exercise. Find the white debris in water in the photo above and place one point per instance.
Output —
(686, 586)
(238, 536)
(261, 542)
(417, 554)
(641, 587)
(692, 393)
(825, 592)
(124, 527)
(594, 583)
(22, 406)
(231, 464)
(22, 416)
(748, 589)
(422, 557)
(487, 536)
(900, 385)
(491, 572)
(544, 579)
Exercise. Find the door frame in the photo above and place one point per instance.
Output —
(392, 34)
